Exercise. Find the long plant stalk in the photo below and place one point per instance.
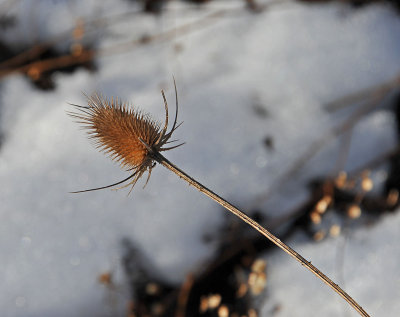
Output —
(163, 161)
(135, 140)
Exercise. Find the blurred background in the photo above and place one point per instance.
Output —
(290, 111)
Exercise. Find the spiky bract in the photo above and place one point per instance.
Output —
(127, 134)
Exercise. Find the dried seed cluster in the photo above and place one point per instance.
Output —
(127, 134)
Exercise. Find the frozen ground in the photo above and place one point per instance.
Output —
(291, 59)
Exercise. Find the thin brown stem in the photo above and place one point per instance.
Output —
(163, 161)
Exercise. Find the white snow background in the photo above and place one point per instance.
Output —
(291, 58)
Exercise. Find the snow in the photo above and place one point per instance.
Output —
(368, 274)
(291, 59)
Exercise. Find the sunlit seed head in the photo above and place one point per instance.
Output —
(223, 311)
(315, 217)
(323, 204)
(214, 300)
(367, 184)
(127, 134)
(354, 211)
(117, 130)
(258, 266)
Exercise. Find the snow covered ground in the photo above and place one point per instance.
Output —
(290, 60)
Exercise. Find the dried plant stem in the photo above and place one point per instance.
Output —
(163, 161)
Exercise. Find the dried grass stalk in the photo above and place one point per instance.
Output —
(133, 139)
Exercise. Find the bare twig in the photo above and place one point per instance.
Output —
(318, 144)
(376, 161)
(15, 64)
(183, 296)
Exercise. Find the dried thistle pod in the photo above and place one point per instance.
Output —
(127, 134)
(133, 139)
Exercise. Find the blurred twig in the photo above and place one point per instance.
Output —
(375, 162)
(183, 296)
(367, 93)
(16, 63)
(52, 63)
(318, 144)
(86, 26)
(298, 211)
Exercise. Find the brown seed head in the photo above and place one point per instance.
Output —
(128, 135)
(117, 130)
(354, 211)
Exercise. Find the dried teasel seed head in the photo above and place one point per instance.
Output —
(367, 184)
(214, 301)
(118, 129)
(223, 311)
(258, 266)
(354, 211)
(127, 134)
(257, 282)
(323, 204)
(257, 277)
(315, 217)
(211, 301)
